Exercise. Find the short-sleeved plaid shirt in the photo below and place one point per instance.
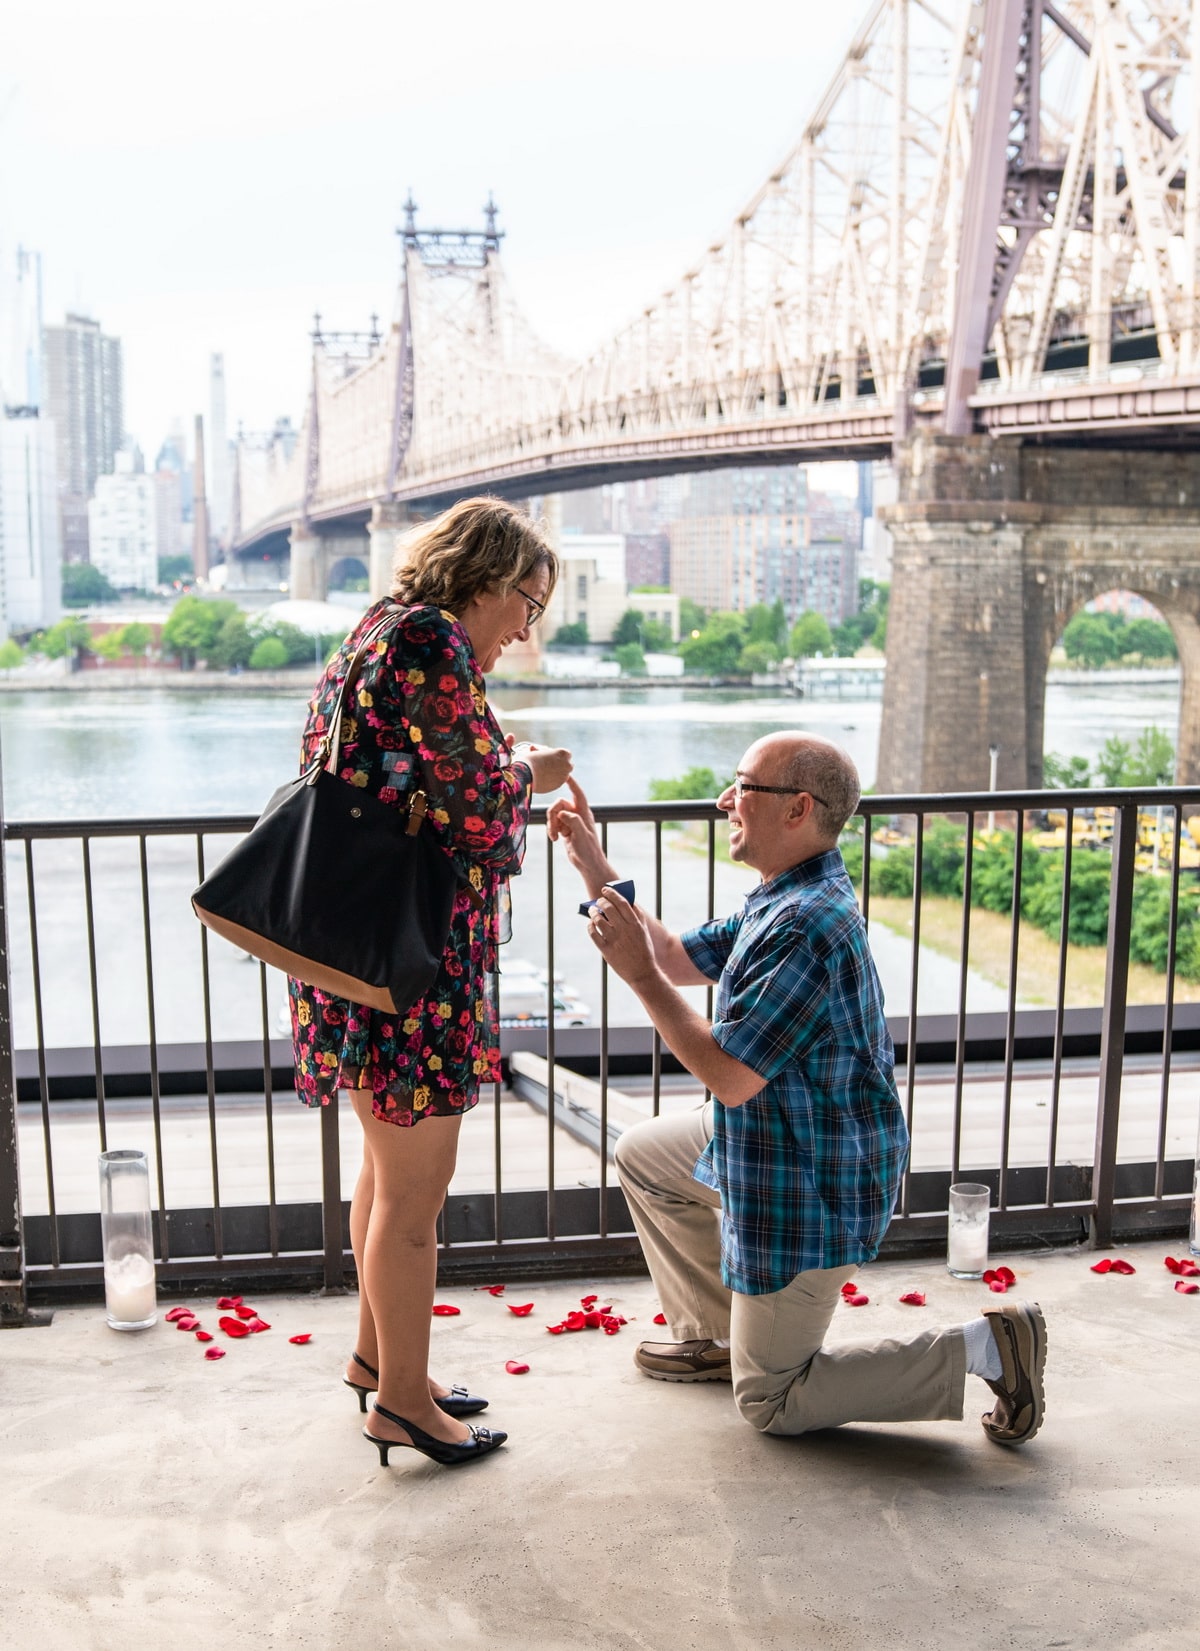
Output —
(809, 1168)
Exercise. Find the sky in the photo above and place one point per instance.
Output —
(204, 178)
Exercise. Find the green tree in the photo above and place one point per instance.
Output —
(1153, 759)
(1112, 764)
(233, 643)
(269, 654)
(111, 645)
(171, 568)
(1148, 639)
(11, 655)
(137, 638)
(718, 648)
(656, 636)
(82, 584)
(757, 657)
(811, 637)
(697, 784)
(628, 628)
(69, 637)
(767, 624)
(1065, 773)
(691, 616)
(192, 626)
(573, 635)
(1089, 640)
(630, 658)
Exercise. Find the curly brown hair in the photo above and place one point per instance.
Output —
(476, 547)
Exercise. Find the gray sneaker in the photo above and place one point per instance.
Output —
(683, 1361)
(1020, 1332)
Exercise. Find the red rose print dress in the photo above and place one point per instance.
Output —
(418, 719)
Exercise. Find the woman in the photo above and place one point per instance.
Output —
(471, 581)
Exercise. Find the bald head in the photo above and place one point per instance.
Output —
(804, 762)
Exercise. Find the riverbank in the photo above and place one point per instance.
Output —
(302, 679)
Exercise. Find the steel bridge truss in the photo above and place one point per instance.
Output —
(988, 192)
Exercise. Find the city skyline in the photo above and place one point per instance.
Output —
(217, 212)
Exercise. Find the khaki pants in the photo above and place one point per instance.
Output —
(783, 1380)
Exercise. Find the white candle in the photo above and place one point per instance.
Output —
(968, 1251)
(129, 1294)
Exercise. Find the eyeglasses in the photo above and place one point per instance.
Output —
(536, 608)
(741, 786)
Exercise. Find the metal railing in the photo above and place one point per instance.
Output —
(120, 1020)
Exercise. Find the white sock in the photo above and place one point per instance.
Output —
(983, 1356)
(720, 1341)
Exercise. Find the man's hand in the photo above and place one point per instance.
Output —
(619, 933)
(574, 825)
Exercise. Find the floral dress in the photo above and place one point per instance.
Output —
(417, 718)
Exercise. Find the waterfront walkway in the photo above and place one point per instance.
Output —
(152, 1498)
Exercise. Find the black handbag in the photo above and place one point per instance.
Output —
(340, 890)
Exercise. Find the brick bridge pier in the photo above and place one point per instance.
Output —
(997, 547)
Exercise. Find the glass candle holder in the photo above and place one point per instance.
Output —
(967, 1246)
(127, 1240)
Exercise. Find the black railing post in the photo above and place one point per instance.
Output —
(14, 1302)
(1112, 1029)
(333, 1238)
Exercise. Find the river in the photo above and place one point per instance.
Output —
(134, 754)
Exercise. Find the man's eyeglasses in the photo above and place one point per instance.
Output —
(741, 786)
(536, 608)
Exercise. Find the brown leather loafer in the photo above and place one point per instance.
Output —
(1020, 1332)
(683, 1361)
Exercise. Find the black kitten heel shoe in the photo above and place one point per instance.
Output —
(458, 1402)
(482, 1441)
(362, 1392)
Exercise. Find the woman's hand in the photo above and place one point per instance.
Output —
(550, 765)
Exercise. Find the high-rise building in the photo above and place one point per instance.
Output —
(30, 546)
(123, 526)
(84, 396)
(750, 536)
(220, 461)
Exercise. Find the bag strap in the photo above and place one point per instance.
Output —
(330, 742)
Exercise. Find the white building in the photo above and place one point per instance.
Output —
(584, 595)
(123, 527)
(30, 546)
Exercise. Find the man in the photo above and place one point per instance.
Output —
(755, 1209)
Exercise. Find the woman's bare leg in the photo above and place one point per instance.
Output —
(411, 1170)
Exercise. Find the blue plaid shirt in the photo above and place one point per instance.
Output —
(807, 1170)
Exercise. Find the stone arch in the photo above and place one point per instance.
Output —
(347, 572)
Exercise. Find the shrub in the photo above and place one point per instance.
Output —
(268, 655)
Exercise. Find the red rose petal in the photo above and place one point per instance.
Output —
(203, 1335)
(1189, 1269)
(611, 1329)
(257, 1325)
(1186, 1288)
(515, 1367)
(857, 1300)
(556, 1329)
(1169, 1262)
(184, 1313)
(1007, 1274)
(233, 1327)
(226, 1303)
(214, 1352)
(990, 1275)
(494, 1289)
(301, 1341)
(520, 1312)
(586, 1301)
(849, 1288)
(1104, 1266)
(576, 1321)
(592, 1319)
(660, 1318)
(1123, 1266)
(998, 1287)
(443, 1310)
(913, 1298)
(245, 1312)
(188, 1323)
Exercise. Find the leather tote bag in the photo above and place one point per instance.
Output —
(338, 889)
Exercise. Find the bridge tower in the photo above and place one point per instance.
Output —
(998, 544)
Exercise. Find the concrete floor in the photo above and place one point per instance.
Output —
(153, 1499)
